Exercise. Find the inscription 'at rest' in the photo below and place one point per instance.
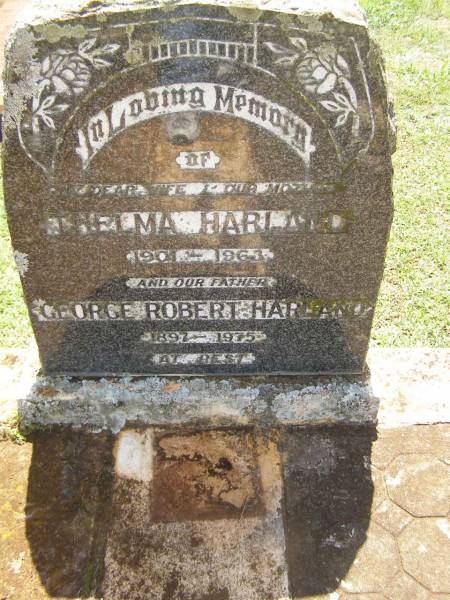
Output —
(211, 358)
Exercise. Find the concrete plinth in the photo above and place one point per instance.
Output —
(401, 387)
(201, 489)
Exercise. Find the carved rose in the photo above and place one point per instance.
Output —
(66, 71)
(320, 69)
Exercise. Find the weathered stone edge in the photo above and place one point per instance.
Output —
(112, 403)
(43, 11)
(405, 387)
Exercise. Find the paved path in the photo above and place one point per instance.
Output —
(337, 513)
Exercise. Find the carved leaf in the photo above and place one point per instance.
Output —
(343, 65)
(286, 60)
(100, 63)
(328, 84)
(277, 48)
(344, 101)
(65, 52)
(47, 120)
(87, 45)
(341, 99)
(342, 119)
(47, 102)
(60, 85)
(57, 65)
(58, 108)
(110, 48)
(299, 42)
(45, 65)
(329, 105)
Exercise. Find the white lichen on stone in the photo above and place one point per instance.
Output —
(22, 262)
(110, 403)
(20, 76)
(40, 11)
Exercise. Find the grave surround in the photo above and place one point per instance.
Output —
(196, 188)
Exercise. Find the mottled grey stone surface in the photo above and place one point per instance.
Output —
(197, 188)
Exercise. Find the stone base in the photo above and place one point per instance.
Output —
(401, 387)
(242, 489)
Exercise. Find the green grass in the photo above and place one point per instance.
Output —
(15, 328)
(414, 306)
(414, 303)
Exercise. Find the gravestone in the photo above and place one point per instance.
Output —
(198, 188)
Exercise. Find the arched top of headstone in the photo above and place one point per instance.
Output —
(198, 187)
(41, 11)
(60, 51)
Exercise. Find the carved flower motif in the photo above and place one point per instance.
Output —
(67, 72)
(321, 71)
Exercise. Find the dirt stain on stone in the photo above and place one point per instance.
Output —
(206, 475)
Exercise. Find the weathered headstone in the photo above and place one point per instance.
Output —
(198, 188)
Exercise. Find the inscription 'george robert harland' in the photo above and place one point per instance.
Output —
(205, 190)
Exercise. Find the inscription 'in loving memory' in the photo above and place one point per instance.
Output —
(205, 97)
